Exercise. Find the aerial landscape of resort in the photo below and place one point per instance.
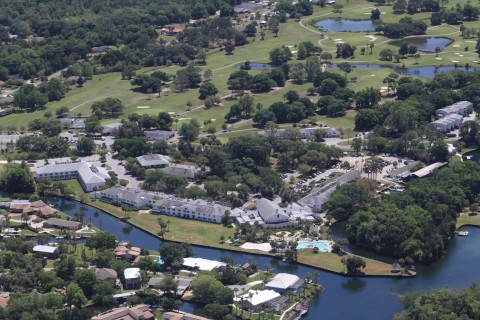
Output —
(232, 159)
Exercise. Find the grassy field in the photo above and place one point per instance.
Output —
(332, 262)
(182, 230)
(466, 219)
(79, 100)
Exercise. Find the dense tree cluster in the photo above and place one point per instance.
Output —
(108, 108)
(441, 304)
(405, 27)
(62, 37)
(455, 15)
(42, 147)
(419, 222)
(35, 290)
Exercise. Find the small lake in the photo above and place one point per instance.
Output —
(344, 297)
(424, 44)
(428, 71)
(344, 25)
(257, 66)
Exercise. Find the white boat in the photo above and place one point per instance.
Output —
(463, 233)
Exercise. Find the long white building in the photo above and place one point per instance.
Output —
(89, 175)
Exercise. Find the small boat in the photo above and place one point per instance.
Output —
(463, 233)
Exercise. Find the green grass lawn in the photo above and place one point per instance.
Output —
(332, 262)
(79, 100)
(466, 219)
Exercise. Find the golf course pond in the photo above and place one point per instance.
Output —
(346, 25)
(425, 44)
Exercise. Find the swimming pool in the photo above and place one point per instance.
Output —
(159, 261)
(319, 244)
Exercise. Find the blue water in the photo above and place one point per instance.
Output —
(344, 297)
(428, 72)
(159, 261)
(424, 44)
(306, 244)
(257, 66)
(340, 25)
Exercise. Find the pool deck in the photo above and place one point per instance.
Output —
(325, 247)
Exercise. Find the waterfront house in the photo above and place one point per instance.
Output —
(256, 299)
(201, 264)
(138, 312)
(152, 161)
(134, 198)
(62, 224)
(283, 282)
(131, 254)
(190, 209)
(89, 175)
(132, 278)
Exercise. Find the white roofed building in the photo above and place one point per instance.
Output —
(134, 198)
(151, 161)
(202, 264)
(190, 209)
(256, 299)
(89, 175)
(283, 282)
(132, 278)
(270, 212)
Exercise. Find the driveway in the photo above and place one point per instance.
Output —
(119, 169)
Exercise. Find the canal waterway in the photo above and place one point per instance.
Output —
(344, 297)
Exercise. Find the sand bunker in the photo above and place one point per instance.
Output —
(372, 38)
(257, 246)
(438, 58)
(455, 61)
(184, 119)
(456, 46)
(143, 107)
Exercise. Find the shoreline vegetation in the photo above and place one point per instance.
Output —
(206, 234)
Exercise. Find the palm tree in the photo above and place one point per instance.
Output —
(315, 277)
(168, 225)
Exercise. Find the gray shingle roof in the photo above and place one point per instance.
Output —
(150, 160)
(182, 170)
(159, 135)
(198, 206)
(270, 211)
